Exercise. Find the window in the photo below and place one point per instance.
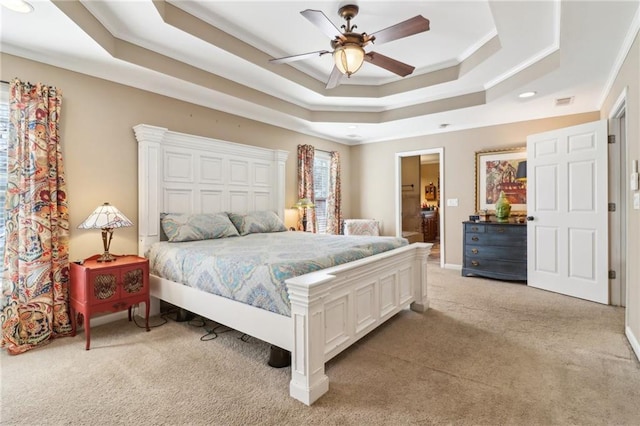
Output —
(321, 173)
(4, 138)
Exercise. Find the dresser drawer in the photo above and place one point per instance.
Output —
(495, 266)
(496, 239)
(517, 253)
(475, 227)
(507, 230)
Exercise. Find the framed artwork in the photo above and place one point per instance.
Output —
(496, 170)
(430, 192)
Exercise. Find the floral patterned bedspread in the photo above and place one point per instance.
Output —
(253, 268)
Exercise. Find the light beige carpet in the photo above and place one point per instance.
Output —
(486, 353)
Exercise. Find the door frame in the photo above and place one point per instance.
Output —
(618, 190)
(441, 210)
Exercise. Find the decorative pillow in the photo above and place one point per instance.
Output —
(257, 222)
(361, 227)
(192, 227)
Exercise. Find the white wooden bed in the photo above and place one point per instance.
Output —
(330, 309)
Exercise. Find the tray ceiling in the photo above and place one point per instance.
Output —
(472, 64)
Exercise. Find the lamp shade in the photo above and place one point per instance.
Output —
(521, 173)
(303, 203)
(105, 216)
(348, 58)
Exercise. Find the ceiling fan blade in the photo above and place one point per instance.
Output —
(415, 25)
(298, 57)
(334, 78)
(389, 64)
(320, 20)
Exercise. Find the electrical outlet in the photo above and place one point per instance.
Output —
(452, 202)
(636, 201)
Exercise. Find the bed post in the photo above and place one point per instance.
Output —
(308, 381)
(149, 178)
(421, 303)
(281, 178)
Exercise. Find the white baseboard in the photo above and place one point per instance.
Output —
(453, 266)
(635, 345)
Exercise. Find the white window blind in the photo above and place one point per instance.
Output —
(321, 171)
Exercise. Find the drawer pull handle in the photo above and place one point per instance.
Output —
(474, 251)
(474, 238)
(474, 228)
(475, 263)
(500, 229)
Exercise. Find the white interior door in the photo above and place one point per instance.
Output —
(567, 203)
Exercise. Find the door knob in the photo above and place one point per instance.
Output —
(530, 218)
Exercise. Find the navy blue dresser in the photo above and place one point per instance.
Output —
(495, 250)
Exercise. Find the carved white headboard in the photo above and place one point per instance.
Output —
(180, 173)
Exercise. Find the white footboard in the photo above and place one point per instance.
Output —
(333, 308)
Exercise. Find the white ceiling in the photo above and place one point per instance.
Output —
(470, 66)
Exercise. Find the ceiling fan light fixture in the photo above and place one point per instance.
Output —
(20, 6)
(348, 58)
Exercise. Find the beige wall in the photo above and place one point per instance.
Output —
(373, 175)
(629, 78)
(100, 150)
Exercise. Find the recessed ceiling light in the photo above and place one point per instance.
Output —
(527, 94)
(353, 126)
(19, 6)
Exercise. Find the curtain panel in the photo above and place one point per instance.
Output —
(306, 155)
(36, 261)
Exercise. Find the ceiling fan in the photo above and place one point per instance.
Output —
(348, 46)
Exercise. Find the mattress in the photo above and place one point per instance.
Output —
(252, 269)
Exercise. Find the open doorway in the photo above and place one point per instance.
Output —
(419, 189)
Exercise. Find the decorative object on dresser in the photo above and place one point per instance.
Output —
(503, 208)
(97, 286)
(106, 217)
(497, 171)
(495, 250)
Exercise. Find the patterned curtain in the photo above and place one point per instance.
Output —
(305, 186)
(36, 262)
(334, 200)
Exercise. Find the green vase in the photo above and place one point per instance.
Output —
(503, 208)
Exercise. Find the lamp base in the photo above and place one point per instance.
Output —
(107, 234)
(106, 257)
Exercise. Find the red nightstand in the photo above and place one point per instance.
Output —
(108, 287)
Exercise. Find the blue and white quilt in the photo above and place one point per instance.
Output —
(252, 269)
